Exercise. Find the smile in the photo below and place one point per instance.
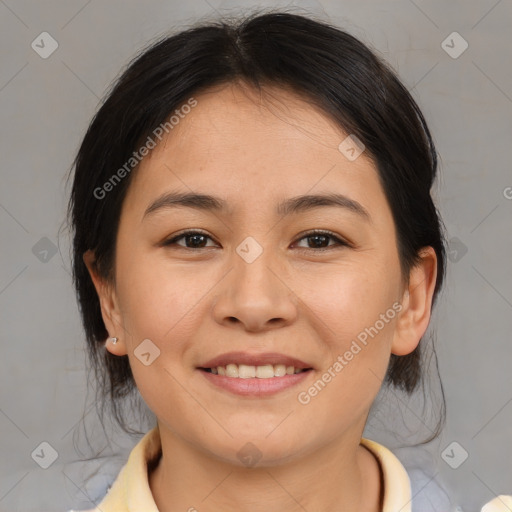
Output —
(255, 381)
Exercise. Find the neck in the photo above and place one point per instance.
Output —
(338, 476)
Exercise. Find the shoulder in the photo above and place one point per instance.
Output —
(88, 510)
(430, 492)
(501, 503)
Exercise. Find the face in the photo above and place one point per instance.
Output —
(254, 279)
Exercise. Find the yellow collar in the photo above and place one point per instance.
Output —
(131, 492)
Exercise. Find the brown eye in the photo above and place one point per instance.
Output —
(320, 240)
(317, 240)
(197, 240)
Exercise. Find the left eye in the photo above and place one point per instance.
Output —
(320, 237)
(198, 239)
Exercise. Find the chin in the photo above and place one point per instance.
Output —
(256, 451)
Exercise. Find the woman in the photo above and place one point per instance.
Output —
(256, 251)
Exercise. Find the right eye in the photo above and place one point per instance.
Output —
(197, 238)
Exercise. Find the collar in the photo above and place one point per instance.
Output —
(131, 491)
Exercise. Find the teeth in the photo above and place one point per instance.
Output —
(244, 371)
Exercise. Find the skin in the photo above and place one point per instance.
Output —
(254, 150)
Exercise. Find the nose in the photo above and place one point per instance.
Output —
(256, 295)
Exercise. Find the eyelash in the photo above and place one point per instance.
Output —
(339, 242)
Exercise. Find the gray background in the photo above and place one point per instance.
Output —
(45, 107)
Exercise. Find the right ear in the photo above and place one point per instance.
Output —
(110, 311)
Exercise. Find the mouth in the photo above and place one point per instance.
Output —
(242, 371)
(246, 365)
(254, 375)
(253, 387)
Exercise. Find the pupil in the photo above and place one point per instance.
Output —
(316, 237)
(195, 237)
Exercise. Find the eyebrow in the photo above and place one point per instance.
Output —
(293, 205)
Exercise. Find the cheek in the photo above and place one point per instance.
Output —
(159, 301)
(354, 319)
(162, 305)
(352, 298)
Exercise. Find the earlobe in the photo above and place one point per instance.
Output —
(108, 303)
(416, 304)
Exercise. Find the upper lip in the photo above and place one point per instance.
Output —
(254, 360)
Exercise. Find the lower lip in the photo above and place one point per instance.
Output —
(254, 386)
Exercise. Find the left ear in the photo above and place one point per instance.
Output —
(416, 303)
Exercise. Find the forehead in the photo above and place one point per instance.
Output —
(226, 112)
(240, 143)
